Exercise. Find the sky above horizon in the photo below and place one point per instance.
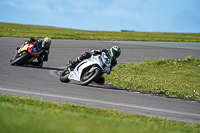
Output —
(106, 15)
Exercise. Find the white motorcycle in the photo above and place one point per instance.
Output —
(88, 70)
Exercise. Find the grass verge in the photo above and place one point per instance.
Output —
(19, 30)
(21, 114)
(175, 78)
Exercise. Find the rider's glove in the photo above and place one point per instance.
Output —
(93, 52)
(26, 42)
(18, 48)
(107, 70)
(40, 40)
(103, 50)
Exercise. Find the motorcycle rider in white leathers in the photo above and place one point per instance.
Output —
(114, 53)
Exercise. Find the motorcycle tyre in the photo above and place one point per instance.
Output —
(92, 78)
(64, 78)
(20, 60)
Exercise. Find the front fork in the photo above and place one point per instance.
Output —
(16, 51)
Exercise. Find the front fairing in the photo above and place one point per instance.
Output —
(20, 51)
(106, 59)
(78, 70)
(24, 48)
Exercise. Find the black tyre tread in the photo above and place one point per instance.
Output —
(20, 60)
(64, 78)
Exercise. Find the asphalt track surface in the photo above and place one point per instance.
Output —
(43, 82)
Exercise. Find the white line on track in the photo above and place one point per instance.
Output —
(101, 102)
(52, 72)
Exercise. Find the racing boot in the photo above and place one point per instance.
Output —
(40, 64)
(85, 55)
(40, 61)
(46, 54)
(100, 80)
(45, 57)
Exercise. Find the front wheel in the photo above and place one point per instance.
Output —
(88, 77)
(64, 76)
(20, 60)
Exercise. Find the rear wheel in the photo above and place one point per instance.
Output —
(64, 76)
(19, 60)
(88, 76)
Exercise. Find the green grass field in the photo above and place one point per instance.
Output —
(25, 115)
(18, 30)
(176, 78)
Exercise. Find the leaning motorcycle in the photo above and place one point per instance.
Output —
(88, 70)
(26, 54)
